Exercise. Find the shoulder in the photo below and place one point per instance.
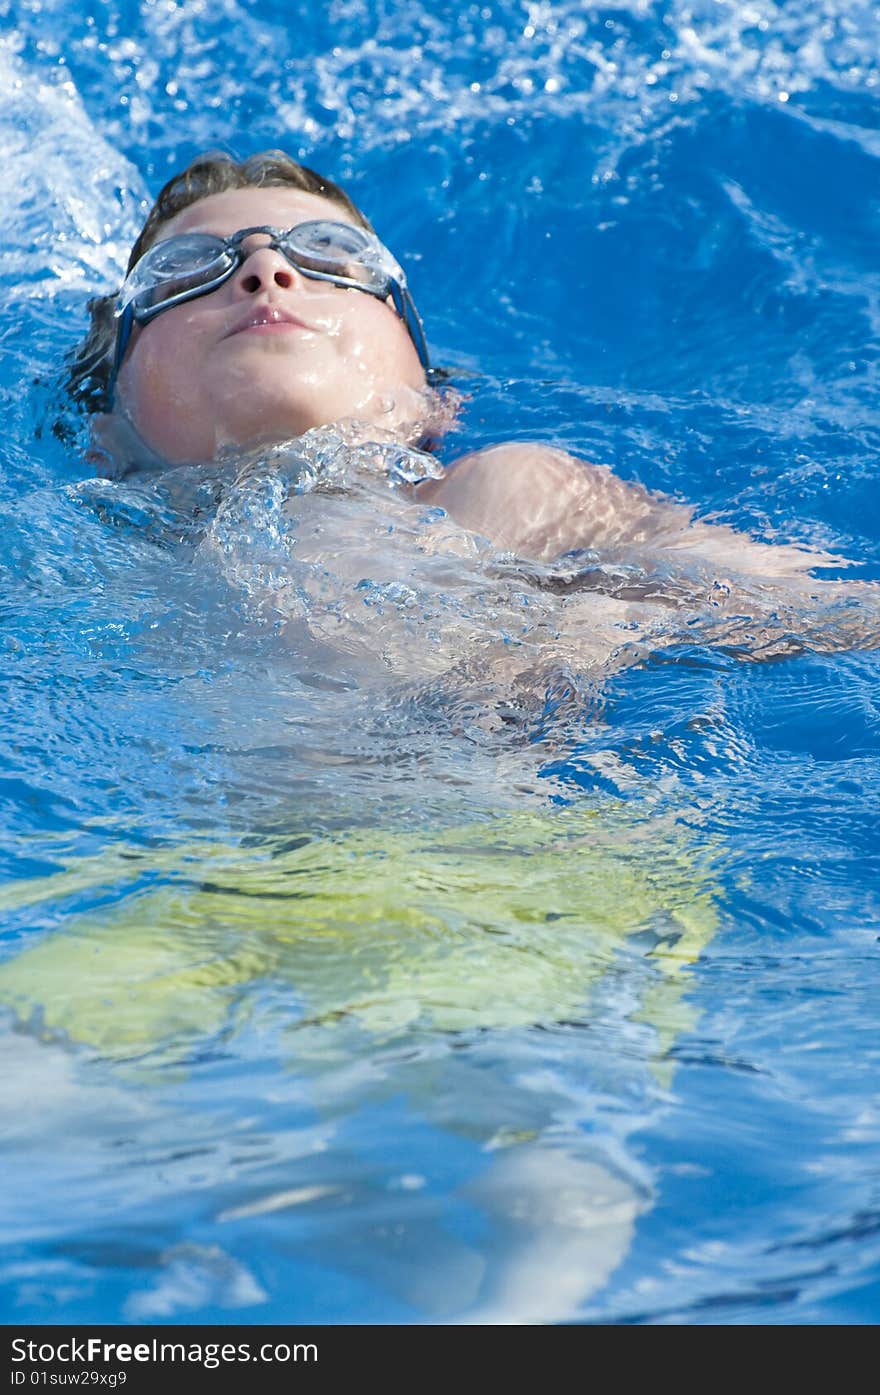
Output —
(540, 502)
(512, 464)
(535, 499)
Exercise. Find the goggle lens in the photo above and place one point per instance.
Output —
(176, 267)
(336, 249)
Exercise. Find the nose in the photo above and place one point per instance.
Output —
(265, 267)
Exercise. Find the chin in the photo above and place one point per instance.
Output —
(264, 426)
(275, 415)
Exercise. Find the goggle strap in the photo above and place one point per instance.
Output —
(406, 310)
(123, 334)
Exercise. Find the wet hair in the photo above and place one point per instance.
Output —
(89, 375)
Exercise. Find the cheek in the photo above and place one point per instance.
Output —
(164, 359)
(378, 344)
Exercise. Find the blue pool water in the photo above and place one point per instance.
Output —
(448, 990)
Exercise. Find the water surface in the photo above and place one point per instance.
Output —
(381, 941)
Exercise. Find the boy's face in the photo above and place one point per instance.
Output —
(270, 353)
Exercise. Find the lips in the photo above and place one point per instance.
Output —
(267, 319)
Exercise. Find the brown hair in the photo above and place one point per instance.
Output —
(88, 379)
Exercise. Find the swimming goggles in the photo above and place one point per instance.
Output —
(194, 264)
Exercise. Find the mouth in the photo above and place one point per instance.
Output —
(268, 319)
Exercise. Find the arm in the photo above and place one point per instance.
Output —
(540, 502)
(723, 589)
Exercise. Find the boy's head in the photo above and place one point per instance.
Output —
(278, 341)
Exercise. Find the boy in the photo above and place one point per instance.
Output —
(227, 333)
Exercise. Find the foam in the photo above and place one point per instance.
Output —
(61, 181)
